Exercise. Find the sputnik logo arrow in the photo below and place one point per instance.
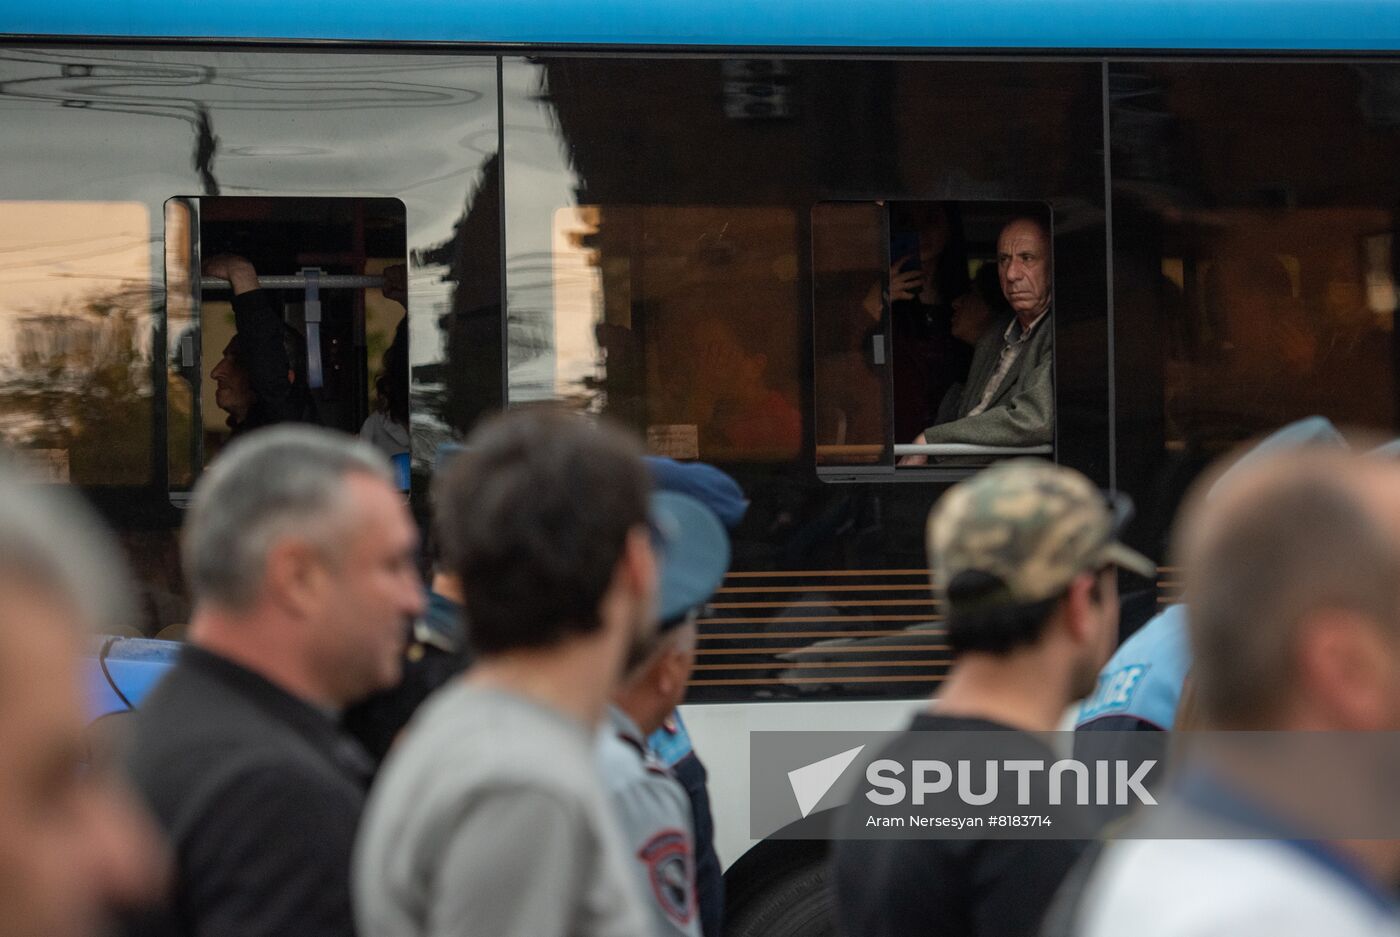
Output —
(811, 782)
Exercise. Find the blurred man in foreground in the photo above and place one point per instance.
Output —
(72, 843)
(1293, 576)
(722, 495)
(1141, 687)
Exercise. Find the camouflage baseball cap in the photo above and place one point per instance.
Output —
(1028, 527)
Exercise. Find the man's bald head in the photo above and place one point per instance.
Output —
(1281, 545)
(1025, 267)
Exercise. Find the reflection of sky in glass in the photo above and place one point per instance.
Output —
(75, 386)
(87, 124)
(143, 126)
(56, 257)
(552, 293)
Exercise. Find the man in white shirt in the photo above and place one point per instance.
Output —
(1293, 569)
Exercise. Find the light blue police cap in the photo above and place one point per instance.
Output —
(707, 484)
(1390, 450)
(694, 553)
(1309, 432)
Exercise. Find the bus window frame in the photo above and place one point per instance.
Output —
(193, 292)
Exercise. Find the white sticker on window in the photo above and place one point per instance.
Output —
(676, 441)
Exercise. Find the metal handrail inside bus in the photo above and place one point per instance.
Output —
(297, 281)
(311, 280)
(962, 448)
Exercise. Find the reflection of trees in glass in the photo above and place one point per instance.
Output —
(78, 384)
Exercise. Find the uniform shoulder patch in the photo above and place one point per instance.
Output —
(1115, 692)
(671, 871)
(671, 742)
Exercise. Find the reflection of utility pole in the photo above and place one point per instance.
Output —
(205, 144)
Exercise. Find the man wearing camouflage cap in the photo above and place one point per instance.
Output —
(1025, 557)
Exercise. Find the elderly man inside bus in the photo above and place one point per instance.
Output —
(1009, 396)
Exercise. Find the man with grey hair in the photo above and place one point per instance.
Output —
(300, 555)
(1009, 397)
(73, 845)
(1293, 574)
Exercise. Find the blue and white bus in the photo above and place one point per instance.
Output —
(672, 214)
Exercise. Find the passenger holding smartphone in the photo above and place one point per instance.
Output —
(928, 269)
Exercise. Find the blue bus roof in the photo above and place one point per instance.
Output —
(1128, 25)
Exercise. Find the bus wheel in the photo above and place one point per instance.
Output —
(796, 903)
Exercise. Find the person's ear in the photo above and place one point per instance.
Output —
(670, 672)
(1345, 665)
(296, 576)
(639, 563)
(1081, 603)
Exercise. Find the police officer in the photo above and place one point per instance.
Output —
(653, 809)
(721, 494)
(435, 652)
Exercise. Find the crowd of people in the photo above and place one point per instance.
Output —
(338, 752)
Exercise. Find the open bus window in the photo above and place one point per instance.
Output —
(933, 334)
(284, 310)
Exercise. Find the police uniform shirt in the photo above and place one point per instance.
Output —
(671, 743)
(435, 653)
(654, 815)
(1141, 685)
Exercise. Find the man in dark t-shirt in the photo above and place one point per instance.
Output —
(1026, 556)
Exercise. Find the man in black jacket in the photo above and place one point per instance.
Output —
(301, 557)
(260, 379)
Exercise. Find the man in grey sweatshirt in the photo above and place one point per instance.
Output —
(488, 819)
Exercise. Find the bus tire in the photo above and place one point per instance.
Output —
(797, 903)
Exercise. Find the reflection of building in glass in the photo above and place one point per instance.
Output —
(668, 305)
(75, 378)
(453, 393)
